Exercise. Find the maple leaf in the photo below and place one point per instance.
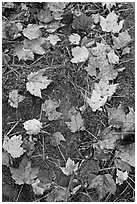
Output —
(53, 26)
(121, 177)
(25, 174)
(129, 123)
(112, 57)
(37, 82)
(70, 167)
(32, 31)
(127, 154)
(103, 184)
(123, 166)
(109, 24)
(53, 39)
(96, 18)
(45, 15)
(23, 54)
(80, 54)
(35, 45)
(122, 40)
(15, 98)
(37, 189)
(57, 137)
(76, 122)
(57, 6)
(82, 22)
(74, 39)
(13, 146)
(33, 126)
(49, 106)
(100, 94)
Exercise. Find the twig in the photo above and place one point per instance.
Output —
(91, 134)
(19, 193)
(13, 128)
(61, 153)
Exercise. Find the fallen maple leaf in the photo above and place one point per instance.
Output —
(36, 188)
(96, 18)
(82, 22)
(129, 123)
(57, 137)
(15, 98)
(108, 5)
(24, 174)
(53, 39)
(33, 126)
(112, 57)
(74, 39)
(103, 184)
(45, 15)
(23, 54)
(13, 146)
(126, 50)
(35, 45)
(80, 54)
(49, 106)
(127, 154)
(59, 194)
(122, 40)
(70, 168)
(32, 31)
(37, 82)
(110, 24)
(121, 177)
(76, 122)
(57, 6)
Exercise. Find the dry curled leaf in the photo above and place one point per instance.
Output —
(74, 39)
(13, 146)
(25, 173)
(80, 54)
(112, 57)
(37, 82)
(53, 39)
(15, 98)
(32, 31)
(33, 126)
(110, 23)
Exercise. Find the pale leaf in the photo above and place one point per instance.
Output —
(110, 24)
(80, 54)
(109, 5)
(13, 146)
(57, 6)
(74, 39)
(45, 15)
(15, 98)
(59, 194)
(32, 31)
(53, 39)
(32, 126)
(126, 50)
(57, 137)
(96, 18)
(70, 168)
(113, 58)
(24, 174)
(37, 189)
(122, 40)
(23, 54)
(35, 45)
(37, 82)
(121, 177)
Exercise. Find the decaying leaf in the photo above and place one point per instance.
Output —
(45, 15)
(129, 124)
(57, 9)
(80, 54)
(121, 177)
(126, 50)
(53, 39)
(13, 146)
(57, 137)
(113, 58)
(37, 82)
(23, 54)
(82, 22)
(74, 39)
(59, 194)
(127, 154)
(96, 18)
(49, 106)
(36, 188)
(5, 159)
(32, 31)
(110, 23)
(25, 173)
(70, 167)
(101, 92)
(103, 184)
(34, 45)
(15, 98)
(122, 40)
(123, 166)
(33, 126)
(76, 122)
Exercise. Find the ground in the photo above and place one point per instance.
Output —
(69, 82)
